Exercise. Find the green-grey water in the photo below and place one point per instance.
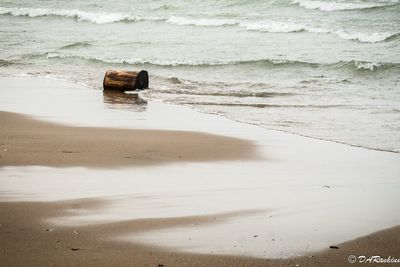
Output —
(325, 69)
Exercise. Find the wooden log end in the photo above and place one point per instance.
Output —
(142, 80)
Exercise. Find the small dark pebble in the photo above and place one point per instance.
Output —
(74, 249)
(160, 265)
(255, 235)
(334, 247)
(69, 152)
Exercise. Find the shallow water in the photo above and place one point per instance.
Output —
(326, 69)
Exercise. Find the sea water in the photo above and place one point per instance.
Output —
(327, 69)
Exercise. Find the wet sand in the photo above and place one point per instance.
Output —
(178, 173)
(26, 141)
(26, 239)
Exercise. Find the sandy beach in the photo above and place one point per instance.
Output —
(122, 188)
(176, 133)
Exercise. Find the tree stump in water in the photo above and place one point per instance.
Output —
(120, 80)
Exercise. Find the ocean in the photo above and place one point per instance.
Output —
(326, 69)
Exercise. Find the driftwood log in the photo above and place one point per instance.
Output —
(120, 80)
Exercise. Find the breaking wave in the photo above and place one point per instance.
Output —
(201, 21)
(366, 65)
(277, 27)
(340, 6)
(360, 65)
(374, 37)
(94, 17)
(275, 63)
(176, 63)
(285, 27)
(266, 26)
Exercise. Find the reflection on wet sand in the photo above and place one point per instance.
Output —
(308, 188)
(121, 100)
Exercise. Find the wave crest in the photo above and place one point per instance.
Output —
(373, 37)
(94, 17)
(360, 65)
(366, 65)
(261, 26)
(339, 6)
(272, 63)
(200, 22)
(286, 27)
(176, 63)
(76, 44)
(283, 27)
(274, 27)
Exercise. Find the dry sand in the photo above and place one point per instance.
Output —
(25, 141)
(27, 240)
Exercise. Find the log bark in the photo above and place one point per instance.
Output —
(120, 80)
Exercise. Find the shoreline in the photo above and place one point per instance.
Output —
(116, 98)
(304, 188)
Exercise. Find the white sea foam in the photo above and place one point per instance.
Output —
(139, 61)
(165, 62)
(366, 65)
(281, 61)
(372, 37)
(365, 37)
(282, 27)
(94, 17)
(286, 27)
(338, 6)
(262, 26)
(200, 21)
(358, 65)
